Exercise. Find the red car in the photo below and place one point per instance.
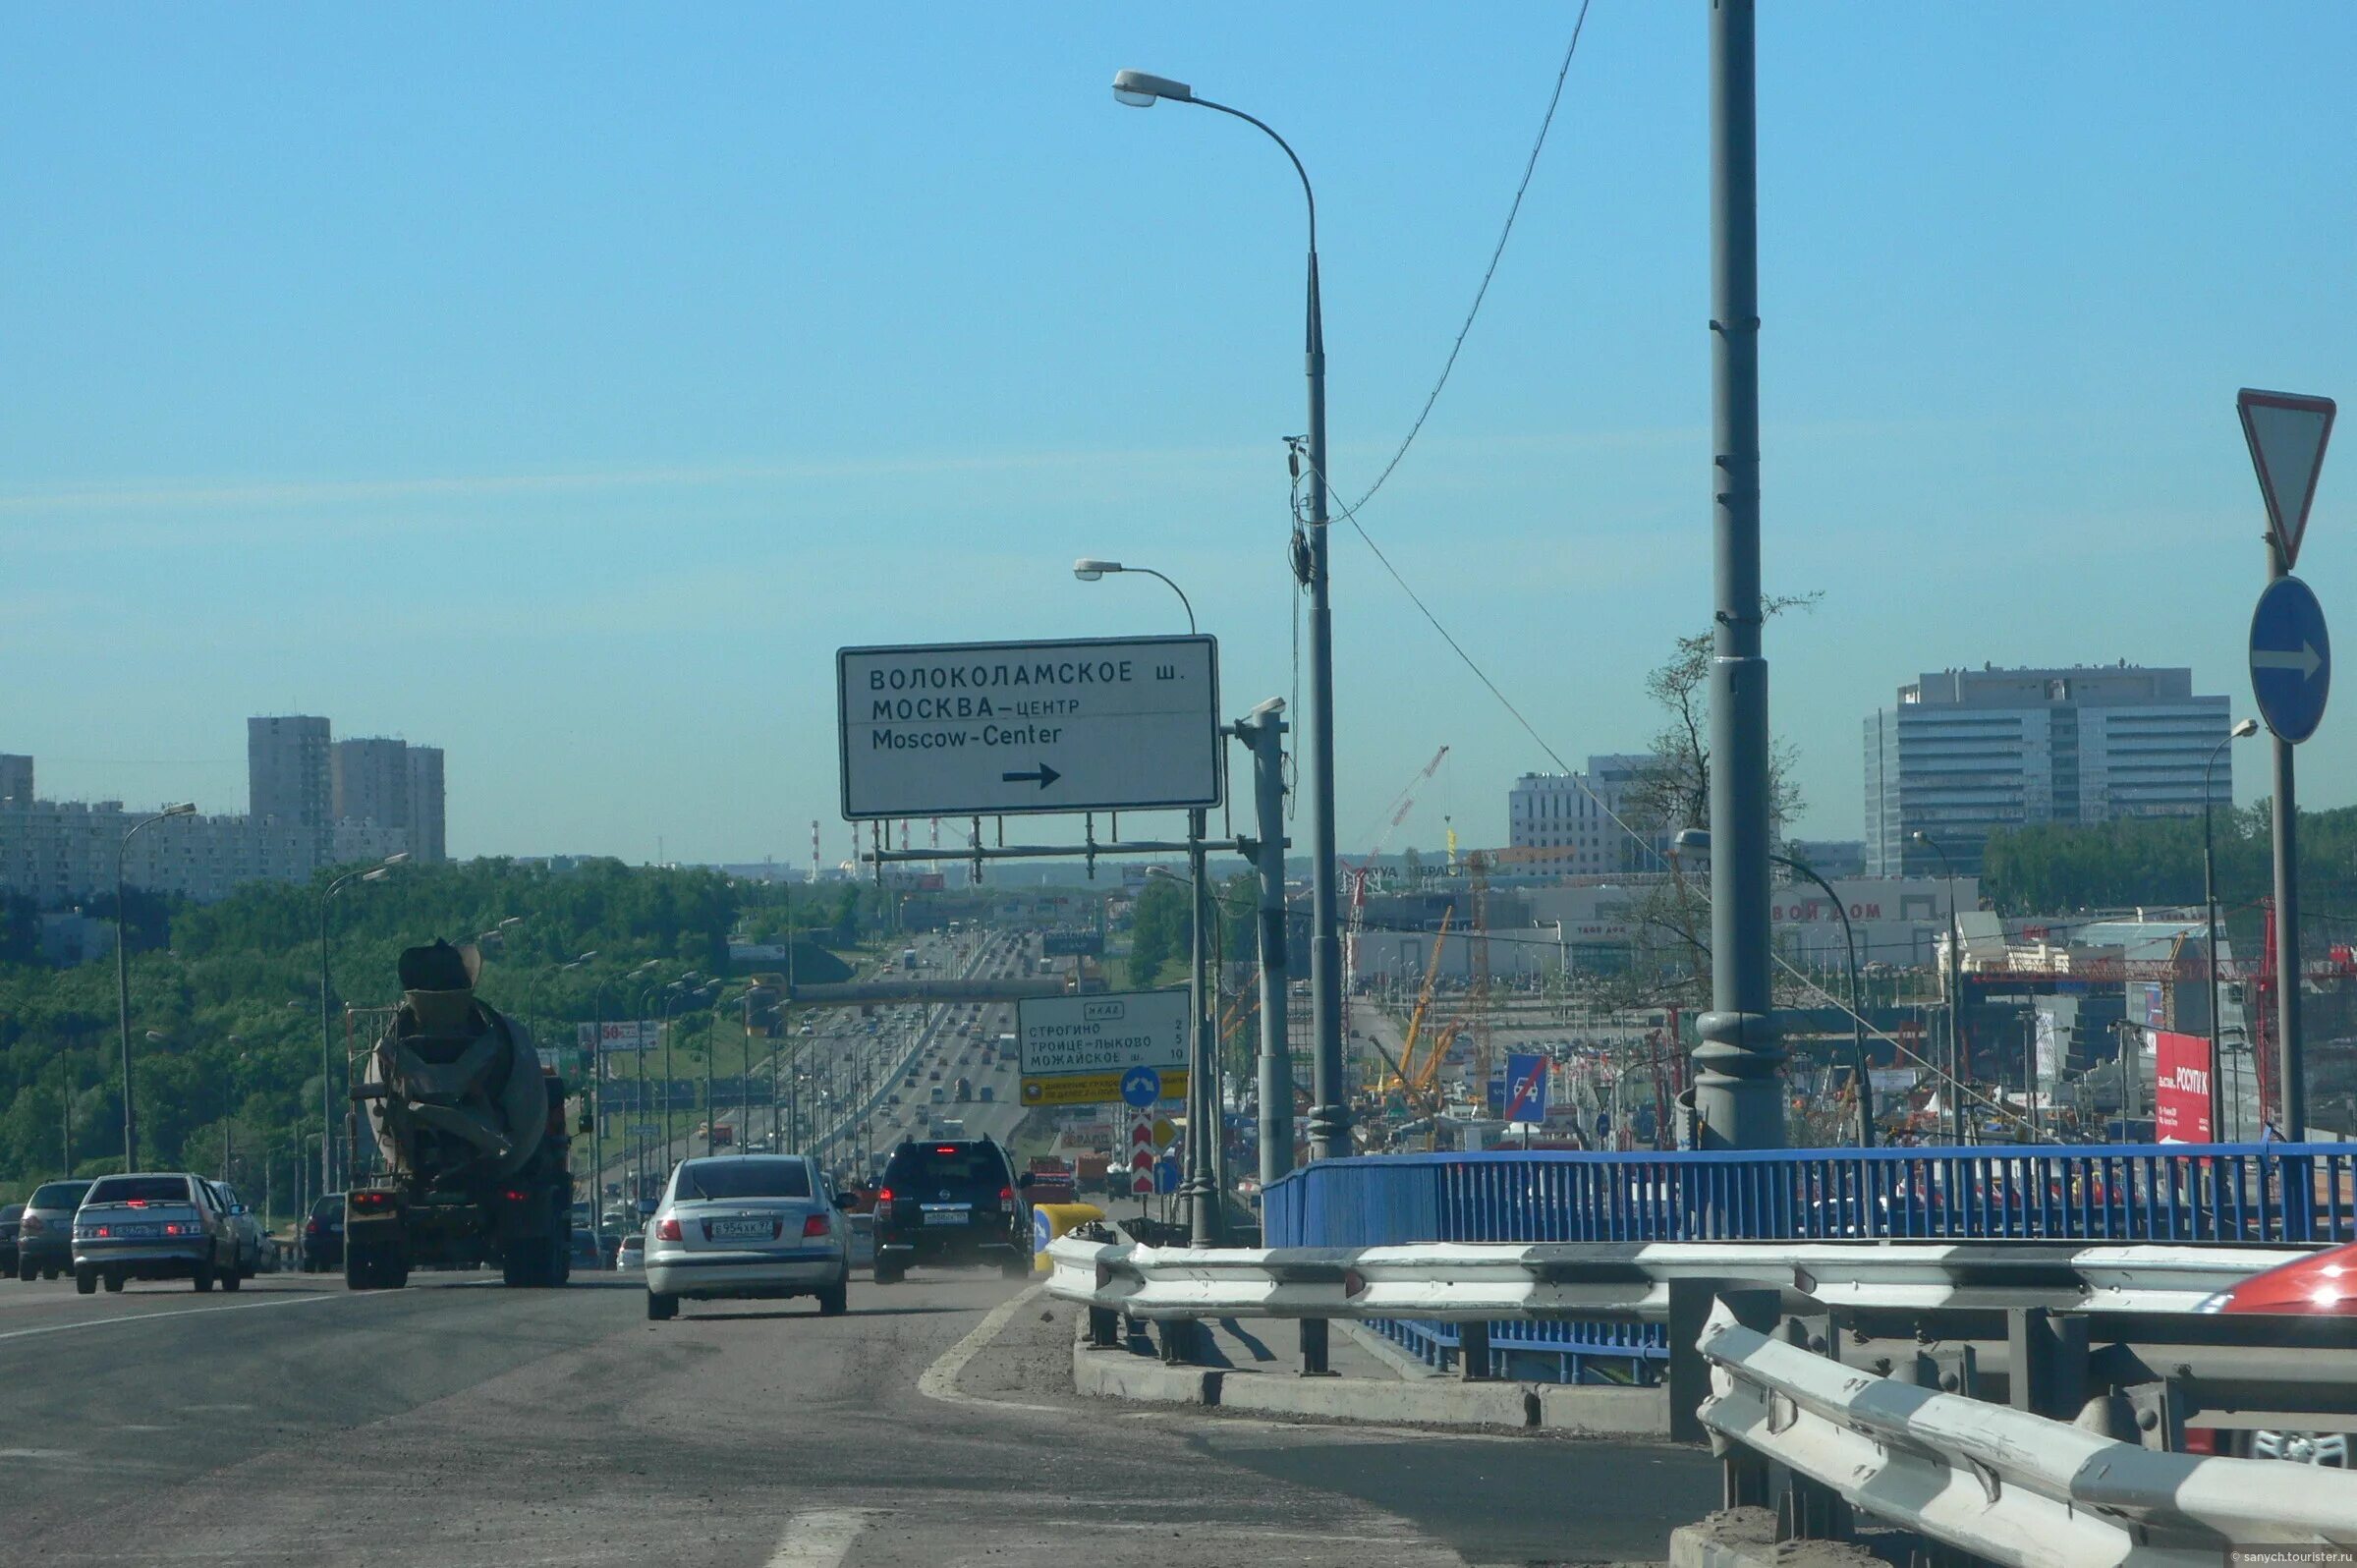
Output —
(2322, 1285)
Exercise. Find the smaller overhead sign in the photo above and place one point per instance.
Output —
(1526, 1087)
(1071, 944)
(2286, 433)
(2291, 660)
(1080, 1050)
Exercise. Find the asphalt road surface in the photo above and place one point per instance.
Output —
(460, 1424)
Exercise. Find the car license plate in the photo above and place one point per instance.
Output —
(137, 1232)
(945, 1216)
(741, 1229)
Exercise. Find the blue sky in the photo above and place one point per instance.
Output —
(562, 386)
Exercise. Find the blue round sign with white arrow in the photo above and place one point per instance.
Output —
(1141, 1086)
(2291, 660)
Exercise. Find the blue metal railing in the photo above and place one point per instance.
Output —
(2257, 1193)
(2235, 1193)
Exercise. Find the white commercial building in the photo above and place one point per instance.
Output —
(1566, 822)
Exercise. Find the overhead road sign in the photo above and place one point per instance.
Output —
(998, 729)
(2291, 660)
(1088, 1050)
(2286, 433)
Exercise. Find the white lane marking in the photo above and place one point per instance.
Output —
(39, 1453)
(820, 1539)
(940, 1379)
(149, 1318)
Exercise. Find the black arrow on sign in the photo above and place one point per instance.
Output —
(1045, 775)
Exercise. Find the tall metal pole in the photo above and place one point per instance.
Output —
(130, 1114)
(1203, 1095)
(1738, 1101)
(1264, 733)
(2218, 1061)
(2287, 942)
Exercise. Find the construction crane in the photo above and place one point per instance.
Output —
(1424, 997)
(1356, 925)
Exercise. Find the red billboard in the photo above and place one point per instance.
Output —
(2180, 1087)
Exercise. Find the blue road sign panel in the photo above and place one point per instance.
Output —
(1526, 1087)
(2291, 660)
(1141, 1086)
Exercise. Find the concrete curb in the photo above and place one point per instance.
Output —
(1746, 1537)
(1422, 1402)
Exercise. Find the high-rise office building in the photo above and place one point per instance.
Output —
(16, 780)
(1964, 752)
(425, 828)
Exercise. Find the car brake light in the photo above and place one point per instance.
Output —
(135, 1203)
(513, 1195)
(106, 1231)
(310, 1228)
(1007, 1195)
(668, 1230)
(945, 1149)
(815, 1225)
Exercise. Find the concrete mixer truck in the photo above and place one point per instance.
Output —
(471, 1135)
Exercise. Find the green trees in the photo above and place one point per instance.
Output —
(232, 991)
(2056, 869)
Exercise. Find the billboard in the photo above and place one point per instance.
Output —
(1073, 1051)
(624, 1035)
(2181, 1088)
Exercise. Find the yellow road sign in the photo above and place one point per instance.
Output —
(1092, 1089)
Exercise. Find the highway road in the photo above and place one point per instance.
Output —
(459, 1424)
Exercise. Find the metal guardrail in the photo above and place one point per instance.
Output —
(2001, 1483)
(1461, 1283)
(1846, 1378)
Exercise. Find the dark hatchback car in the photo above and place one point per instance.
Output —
(323, 1236)
(45, 1233)
(951, 1201)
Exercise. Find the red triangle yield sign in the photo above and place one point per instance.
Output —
(2286, 433)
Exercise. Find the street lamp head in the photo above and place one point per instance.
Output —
(1691, 841)
(1088, 570)
(184, 809)
(511, 921)
(2244, 730)
(1920, 836)
(155, 1038)
(376, 875)
(396, 858)
(1139, 90)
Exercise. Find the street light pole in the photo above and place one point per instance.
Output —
(130, 1114)
(1329, 1118)
(327, 1078)
(2217, 1062)
(1954, 986)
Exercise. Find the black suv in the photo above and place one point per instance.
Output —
(951, 1201)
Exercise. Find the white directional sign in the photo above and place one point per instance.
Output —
(990, 729)
(1078, 1050)
(2286, 433)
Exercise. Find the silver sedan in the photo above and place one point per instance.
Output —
(748, 1227)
